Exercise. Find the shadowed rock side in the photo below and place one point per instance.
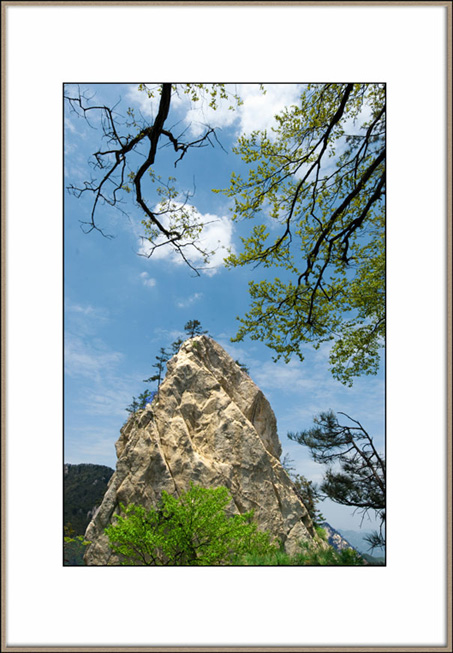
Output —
(210, 425)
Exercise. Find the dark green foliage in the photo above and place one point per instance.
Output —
(84, 487)
(161, 361)
(375, 561)
(73, 548)
(243, 367)
(309, 494)
(310, 555)
(138, 404)
(193, 529)
(287, 464)
(329, 557)
(359, 477)
(175, 345)
(322, 533)
(277, 558)
(133, 406)
(375, 540)
(306, 490)
(193, 328)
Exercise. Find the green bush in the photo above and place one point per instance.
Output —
(312, 555)
(193, 529)
(273, 558)
(321, 532)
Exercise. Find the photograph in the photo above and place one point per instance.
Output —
(224, 252)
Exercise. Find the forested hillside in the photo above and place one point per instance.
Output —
(84, 488)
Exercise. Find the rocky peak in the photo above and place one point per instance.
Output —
(335, 539)
(211, 425)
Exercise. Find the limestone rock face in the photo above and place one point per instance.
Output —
(210, 425)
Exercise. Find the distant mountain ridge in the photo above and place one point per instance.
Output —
(357, 540)
(335, 539)
(84, 486)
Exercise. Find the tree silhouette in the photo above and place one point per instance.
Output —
(160, 363)
(359, 479)
(193, 328)
(168, 219)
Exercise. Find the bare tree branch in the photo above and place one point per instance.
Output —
(114, 162)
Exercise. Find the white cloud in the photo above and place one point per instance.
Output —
(241, 352)
(147, 106)
(147, 280)
(85, 319)
(290, 377)
(110, 398)
(69, 125)
(256, 112)
(200, 116)
(188, 301)
(88, 311)
(91, 360)
(215, 238)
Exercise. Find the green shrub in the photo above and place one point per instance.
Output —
(312, 555)
(321, 532)
(193, 529)
(274, 558)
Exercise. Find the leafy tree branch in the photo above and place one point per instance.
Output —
(316, 192)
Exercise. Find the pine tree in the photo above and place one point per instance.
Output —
(358, 479)
(160, 366)
(193, 328)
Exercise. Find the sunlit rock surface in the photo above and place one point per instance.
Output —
(210, 425)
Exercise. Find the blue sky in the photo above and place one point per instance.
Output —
(120, 307)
